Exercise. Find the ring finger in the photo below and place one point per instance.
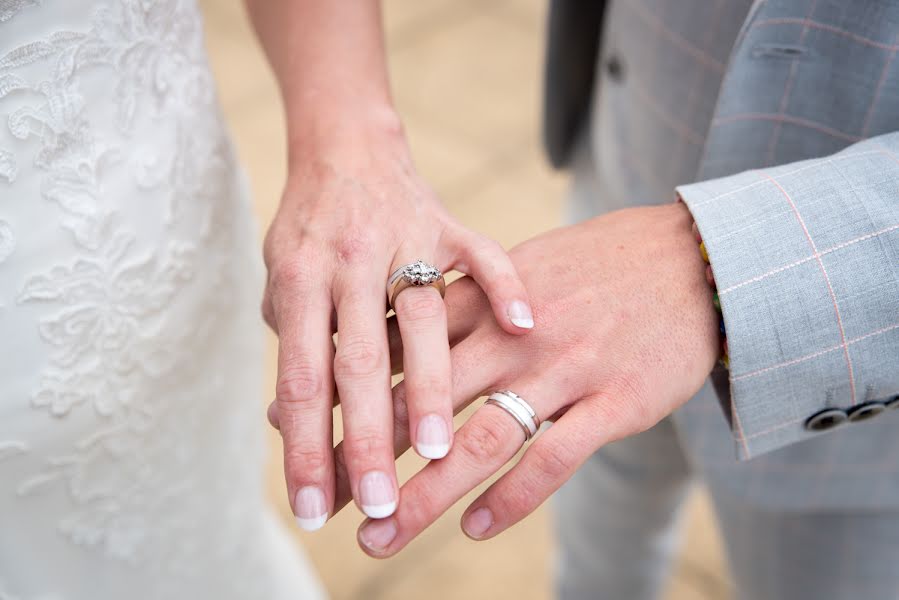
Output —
(421, 315)
(543, 468)
(482, 446)
(465, 305)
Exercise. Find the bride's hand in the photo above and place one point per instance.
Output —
(626, 333)
(353, 211)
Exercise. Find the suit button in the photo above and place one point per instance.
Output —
(865, 411)
(894, 402)
(826, 419)
(614, 68)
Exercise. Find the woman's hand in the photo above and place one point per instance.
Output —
(353, 210)
(626, 332)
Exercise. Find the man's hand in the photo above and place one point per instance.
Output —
(626, 332)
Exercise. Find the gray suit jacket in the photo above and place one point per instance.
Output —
(798, 202)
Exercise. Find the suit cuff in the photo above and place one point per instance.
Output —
(789, 251)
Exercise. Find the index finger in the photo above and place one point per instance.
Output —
(362, 375)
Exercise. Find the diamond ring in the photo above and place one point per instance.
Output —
(416, 274)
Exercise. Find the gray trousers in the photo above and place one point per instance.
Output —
(616, 521)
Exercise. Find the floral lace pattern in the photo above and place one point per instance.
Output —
(9, 8)
(116, 132)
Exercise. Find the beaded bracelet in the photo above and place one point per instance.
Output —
(710, 277)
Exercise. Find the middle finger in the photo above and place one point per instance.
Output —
(362, 375)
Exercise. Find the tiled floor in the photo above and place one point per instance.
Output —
(466, 80)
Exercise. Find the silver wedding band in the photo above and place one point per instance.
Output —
(520, 410)
(415, 274)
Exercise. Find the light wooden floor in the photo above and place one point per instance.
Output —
(466, 79)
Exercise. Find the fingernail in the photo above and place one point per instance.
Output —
(520, 315)
(377, 495)
(377, 535)
(432, 439)
(478, 522)
(311, 510)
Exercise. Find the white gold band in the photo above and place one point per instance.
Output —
(520, 410)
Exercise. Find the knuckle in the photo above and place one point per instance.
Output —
(367, 443)
(355, 246)
(620, 419)
(299, 382)
(268, 315)
(483, 442)
(513, 500)
(270, 244)
(424, 510)
(420, 305)
(305, 462)
(271, 414)
(504, 284)
(548, 463)
(289, 274)
(488, 246)
(636, 412)
(359, 356)
(427, 386)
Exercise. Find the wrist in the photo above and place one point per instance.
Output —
(709, 302)
(343, 128)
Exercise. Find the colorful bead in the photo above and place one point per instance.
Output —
(716, 300)
(703, 252)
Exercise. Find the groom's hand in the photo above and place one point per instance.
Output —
(626, 332)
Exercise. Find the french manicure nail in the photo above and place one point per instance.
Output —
(377, 495)
(520, 315)
(478, 522)
(377, 535)
(432, 438)
(310, 508)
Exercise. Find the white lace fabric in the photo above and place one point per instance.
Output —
(131, 440)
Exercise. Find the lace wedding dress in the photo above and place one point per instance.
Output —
(131, 440)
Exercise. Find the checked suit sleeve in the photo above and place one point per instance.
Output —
(806, 261)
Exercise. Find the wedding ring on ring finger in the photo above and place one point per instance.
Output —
(518, 409)
(416, 274)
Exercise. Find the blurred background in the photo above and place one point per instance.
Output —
(466, 79)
